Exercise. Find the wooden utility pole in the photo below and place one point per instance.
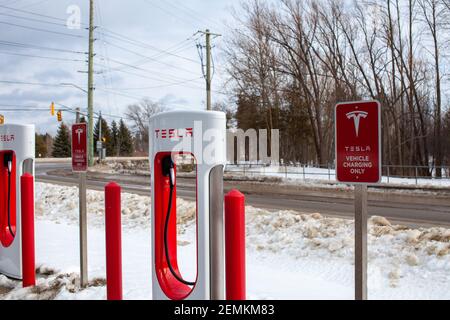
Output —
(91, 85)
(208, 74)
(208, 70)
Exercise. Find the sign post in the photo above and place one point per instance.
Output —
(80, 165)
(358, 162)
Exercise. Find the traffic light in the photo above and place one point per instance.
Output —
(2, 119)
(104, 140)
(52, 109)
(59, 115)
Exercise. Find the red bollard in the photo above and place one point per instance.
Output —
(27, 218)
(113, 227)
(235, 245)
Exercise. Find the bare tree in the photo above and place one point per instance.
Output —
(291, 62)
(436, 16)
(140, 114)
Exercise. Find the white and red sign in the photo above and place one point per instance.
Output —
(79, 147)
(358, 142)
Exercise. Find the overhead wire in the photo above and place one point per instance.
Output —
(41, 30)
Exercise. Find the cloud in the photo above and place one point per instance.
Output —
(53, 74)
(162, 26)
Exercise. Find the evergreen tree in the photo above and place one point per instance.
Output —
(115, 139)
(40, 146)
(106, 133)
(125, 140)
(61, 145)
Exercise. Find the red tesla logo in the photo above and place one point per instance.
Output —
(174, 133)
(7, 138)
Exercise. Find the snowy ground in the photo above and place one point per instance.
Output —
(290, 255)
(311, 174)
(285, 174)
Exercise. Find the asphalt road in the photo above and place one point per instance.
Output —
(398, 212)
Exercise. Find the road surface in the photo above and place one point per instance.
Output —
(398, 211)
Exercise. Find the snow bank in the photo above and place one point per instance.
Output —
(60, 204)
(290, 255)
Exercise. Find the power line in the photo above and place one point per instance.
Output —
(41, 57)
(147, 57)
(34, 13)
(41, 30)
(153, 72)
(32, 19)
(195, 15)
(23, 110)
(170, 13)
(156, 79)
(160, 86)
(105, 77)
(117, 90)
(24, 45)
(137, 43)
(41, 84)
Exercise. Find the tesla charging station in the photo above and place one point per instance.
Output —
(16, 158)
(200, 135)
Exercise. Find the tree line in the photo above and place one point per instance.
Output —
(118, 140)
(289, 63)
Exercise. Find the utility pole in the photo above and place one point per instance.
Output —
(99, 143)
(77, 117)
(208, 75)
(91, 84)
(208, 70)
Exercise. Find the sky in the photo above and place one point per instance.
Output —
(144, 48)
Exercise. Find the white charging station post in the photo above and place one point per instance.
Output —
(358, 162)
(17, 146)
(201, 135)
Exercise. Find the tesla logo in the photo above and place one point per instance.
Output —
(79, 132)
(7, 138)
(356, 116)
(174, 133)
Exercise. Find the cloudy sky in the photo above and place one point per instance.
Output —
(144, 48)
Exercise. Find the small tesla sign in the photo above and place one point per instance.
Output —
(358, 142)
(79, 147)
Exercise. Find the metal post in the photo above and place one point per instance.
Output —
(100, 137)
(361, 242)
(388, 174)
(415, 174)
(304, 173)
(77, 116)
(83, 232)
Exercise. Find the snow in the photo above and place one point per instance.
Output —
(290, 255)
(312, 174)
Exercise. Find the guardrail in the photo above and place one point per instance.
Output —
(391, 173)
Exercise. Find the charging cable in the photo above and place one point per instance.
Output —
(166, 225)
(8, 164)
